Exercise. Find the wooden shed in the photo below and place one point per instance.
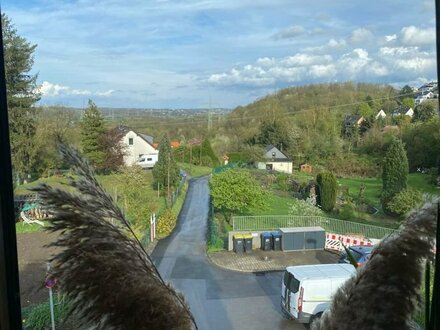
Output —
(305, 168)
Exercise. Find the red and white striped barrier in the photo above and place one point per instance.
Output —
(333, 241)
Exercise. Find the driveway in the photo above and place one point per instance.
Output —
(218, 298)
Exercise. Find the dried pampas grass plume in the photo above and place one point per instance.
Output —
(385, 292)
(102, 267)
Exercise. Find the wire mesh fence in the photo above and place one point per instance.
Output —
(274, 222)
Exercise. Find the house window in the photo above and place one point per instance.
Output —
(130, 141)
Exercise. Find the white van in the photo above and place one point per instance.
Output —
(306, 291)
(147, 160)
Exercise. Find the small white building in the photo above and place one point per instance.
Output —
(137, 145)
(275, 161)
(380, 114)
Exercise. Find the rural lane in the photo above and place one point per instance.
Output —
(218, 298)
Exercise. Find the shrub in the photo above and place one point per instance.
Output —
(282, 181)
(348, 211)
(37, 317)
(304, 207)
(166, 223)
(327, 190)
(405, 201)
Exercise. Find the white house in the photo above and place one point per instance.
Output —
(380, 114)
(136, 145)
(275, 161)
(403, 111)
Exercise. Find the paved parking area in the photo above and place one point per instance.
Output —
(263, 261)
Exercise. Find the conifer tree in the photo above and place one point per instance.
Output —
(92, 136)
(165, 171)
(394, 172)
(326, 192)
(22, 94)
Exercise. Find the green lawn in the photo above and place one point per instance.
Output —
(22, 228)
(133, 194)
(55, 181)
(195, 171)
(277, 206)
(421, 182)
(373, 186)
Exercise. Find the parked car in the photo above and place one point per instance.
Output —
(306, 291)
(147, 160)
(361, 254)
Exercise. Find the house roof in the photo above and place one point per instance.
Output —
(175, 144)
(351, 119)
(401, 110)
(146, 137)
(278, 151)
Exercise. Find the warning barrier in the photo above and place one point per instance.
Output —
(333, 241)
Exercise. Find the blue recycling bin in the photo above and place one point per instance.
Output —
(266, 241)
(276, 240)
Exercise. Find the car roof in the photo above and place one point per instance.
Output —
(321, 271)
(362, 248)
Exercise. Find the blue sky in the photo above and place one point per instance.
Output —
(184, 53)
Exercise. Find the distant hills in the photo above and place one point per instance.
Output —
(344, 97)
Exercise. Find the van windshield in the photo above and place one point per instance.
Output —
(291, 282)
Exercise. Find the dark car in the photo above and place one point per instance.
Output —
(361, 254)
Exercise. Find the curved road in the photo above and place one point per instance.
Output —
(218, 298)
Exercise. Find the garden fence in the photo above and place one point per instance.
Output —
(337, 226)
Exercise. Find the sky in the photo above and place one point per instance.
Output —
(224, 53)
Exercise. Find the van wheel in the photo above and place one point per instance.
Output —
(315, 317)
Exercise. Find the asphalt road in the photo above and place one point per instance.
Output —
(218, 298)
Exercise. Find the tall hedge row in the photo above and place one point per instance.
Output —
(326, 191)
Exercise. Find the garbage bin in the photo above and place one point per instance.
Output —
(266, 241)
(276, 240)
(247, 238)
(238, 243)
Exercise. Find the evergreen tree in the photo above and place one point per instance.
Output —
(165, 171)
(22, 94)
(208, 153)
(92, 136)
(326, 192)
(394, 172)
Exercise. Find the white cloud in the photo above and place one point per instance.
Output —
(353, 63)
(322, 71)
(48, 89)
(417, 64)
(265, 61)
(398, 51)
(361, 35)
(289, 33)
(333, 43)
(390, 38)
(377, 69)
(305, 59)
(411, 35)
